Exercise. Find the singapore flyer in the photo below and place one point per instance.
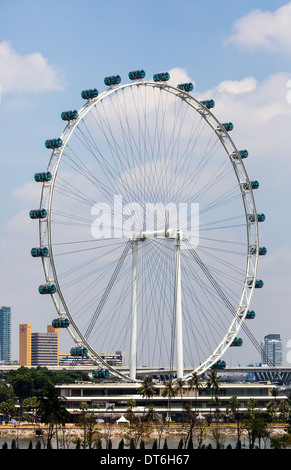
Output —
(148, 228)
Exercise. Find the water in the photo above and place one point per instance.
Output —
(172, 442)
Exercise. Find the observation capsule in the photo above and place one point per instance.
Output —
(253, 184)
(261, 217)
(208, 104)
(69, 115)
(219, 365)
(262, 251)
(258, 283)
(250, 315)
(39, 252)
(136, 75)
(98, 374)
(242, 154)
(60, 323)
(113, 80)
(37, 213)
(89, 94)
(186, 86)
(228, 126)
(53, 143)
(42, 177)
(47, 289)
(79, 351)
(236, 342)
(161, 77)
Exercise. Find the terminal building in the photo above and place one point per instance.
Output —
(112, 400)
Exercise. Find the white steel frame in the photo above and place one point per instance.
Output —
(252, 237)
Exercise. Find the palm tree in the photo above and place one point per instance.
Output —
(213, 382)
(52, 411)
(284, 409)
(147, 389)
(233, 411)
(195, 383)
(170, 391)
(180, 389)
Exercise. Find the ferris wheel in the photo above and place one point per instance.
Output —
(148, 229)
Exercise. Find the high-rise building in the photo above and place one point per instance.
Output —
(5, 335)
(25, 345)
(272, 350)
(38, 349)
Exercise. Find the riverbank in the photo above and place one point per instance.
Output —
(173, 433)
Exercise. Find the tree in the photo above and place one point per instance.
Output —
(151, 416)
(7, 408)
(233, 411)
(23, 386)
(28, 382)
(169, 391)
(180, 384)
(6, 392)
(147, 389)
(52, 411)
(213, 382)
(195, 383)
(281, 442)
(129, 414)
(256, 423)
(31, 404)
(284, 411)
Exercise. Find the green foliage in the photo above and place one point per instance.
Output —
(26, 382)
(281, 442)
(6, 392)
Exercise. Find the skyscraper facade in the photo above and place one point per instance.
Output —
(272, 350)
(38, 349)
(25, 345)
(5, 335)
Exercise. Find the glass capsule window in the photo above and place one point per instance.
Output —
(38, 252)
(89, 94)
(42, 177)
(186, 87)
(161, 77)
(250, 315)
(208, 103)
(53, 143)
(136, 75)
(113, 80)
(79, 351)
(69, 115)
(47, 289)
(37, 213)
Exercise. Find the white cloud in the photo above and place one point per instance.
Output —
(178, 75)
(26, 73)
(28, 193)
(264, 30)
(246, 85)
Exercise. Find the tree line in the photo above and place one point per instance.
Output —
(33, 391)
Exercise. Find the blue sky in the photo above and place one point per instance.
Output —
(237, 51)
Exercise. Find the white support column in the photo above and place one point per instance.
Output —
(134, 309)
(178, 308)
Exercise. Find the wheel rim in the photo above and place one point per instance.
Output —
(187, 156)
